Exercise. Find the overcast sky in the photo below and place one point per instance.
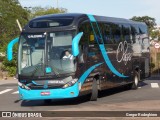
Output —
(112, 8)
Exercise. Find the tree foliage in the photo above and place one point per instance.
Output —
(150, 22)
(10, 10)
(155, 34)
(39, 11)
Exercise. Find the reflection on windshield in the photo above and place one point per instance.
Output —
(39, 51)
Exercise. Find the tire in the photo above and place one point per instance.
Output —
(135, 81)
(47, 101)
(94, 93)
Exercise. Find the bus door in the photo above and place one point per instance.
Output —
(89, 49)
(83, 50)
(110, 79)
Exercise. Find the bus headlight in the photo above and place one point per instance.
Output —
(23, 86)
(70, 83)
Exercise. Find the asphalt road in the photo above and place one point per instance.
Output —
(146, 98)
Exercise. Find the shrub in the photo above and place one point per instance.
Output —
(152, 65)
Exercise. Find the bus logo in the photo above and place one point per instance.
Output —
(122, 53)
(6, 114)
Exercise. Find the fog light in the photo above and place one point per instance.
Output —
(72, 93)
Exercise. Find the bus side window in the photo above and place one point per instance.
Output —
(143, 29)
(116, 32)
(133, 33)
(137, 34)
(96, 33)
(102, 28)
(83, 28)
(137, 30)
(126, 33)
(108, 34)
(144, 40)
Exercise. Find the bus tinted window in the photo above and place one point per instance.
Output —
(86, 29)
(93, 37)
(108, 34)
(97, 33)
(136, 29)
(143, 29)
(116, 32)
(126, 33)
(47, 23)
(133, 33)
(133, 30)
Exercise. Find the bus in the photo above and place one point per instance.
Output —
(68, 55)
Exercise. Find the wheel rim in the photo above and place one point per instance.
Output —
(136, 80)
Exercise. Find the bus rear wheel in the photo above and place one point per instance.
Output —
(135, 81)
(94, 93)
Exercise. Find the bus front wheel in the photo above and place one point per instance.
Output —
(94, 93)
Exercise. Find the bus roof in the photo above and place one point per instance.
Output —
(69, 21)
(98, 18)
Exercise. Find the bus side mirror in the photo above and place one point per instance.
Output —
(75, 44)
(10, 49)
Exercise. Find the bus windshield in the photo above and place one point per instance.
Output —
(40, 51)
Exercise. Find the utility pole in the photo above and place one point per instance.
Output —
(28, 9)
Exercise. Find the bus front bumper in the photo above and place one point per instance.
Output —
(60, 93)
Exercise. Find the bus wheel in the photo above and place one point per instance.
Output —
(136, 81)
(94, 93)
(47, 101)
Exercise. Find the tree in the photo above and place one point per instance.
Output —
(10, 10)
(150, 22)
(39, 11)
(155, 34)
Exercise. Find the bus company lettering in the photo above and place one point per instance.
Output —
(122, 53)
(36, 36)
(56, 82)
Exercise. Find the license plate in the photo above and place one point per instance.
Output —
(46, 93)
